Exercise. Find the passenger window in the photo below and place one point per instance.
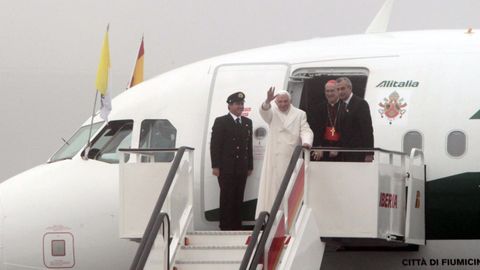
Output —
(412, 139)
(158, 134)
(115, 135)
(456, 143)
(75, 143)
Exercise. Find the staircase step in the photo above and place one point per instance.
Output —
(206, 265)
(209, 238)
(211, 253)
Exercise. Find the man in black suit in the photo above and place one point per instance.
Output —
(357, 130)
(232, 160)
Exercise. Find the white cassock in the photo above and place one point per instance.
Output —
(286, 131)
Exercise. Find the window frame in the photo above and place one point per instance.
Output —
(170, 126)
(100, 124)
(465, 143)
(422, 137)
(100, 134)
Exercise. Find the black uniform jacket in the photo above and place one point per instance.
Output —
(357, 130)
(231, 145)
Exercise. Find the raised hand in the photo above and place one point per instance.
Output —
(270, 95)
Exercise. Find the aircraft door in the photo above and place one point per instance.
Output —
(253, 80)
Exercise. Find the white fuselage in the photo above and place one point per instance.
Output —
(434, 74)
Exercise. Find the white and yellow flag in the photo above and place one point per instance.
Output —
(102, 79)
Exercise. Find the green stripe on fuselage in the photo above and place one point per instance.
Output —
(476, 115)
(453, 207)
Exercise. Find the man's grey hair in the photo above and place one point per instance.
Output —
(284, 93)
(344, 79)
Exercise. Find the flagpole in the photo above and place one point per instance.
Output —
(101, 83)
(134, 65)
(93, 116)
(87, 149)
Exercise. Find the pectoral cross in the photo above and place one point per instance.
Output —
(332, 130)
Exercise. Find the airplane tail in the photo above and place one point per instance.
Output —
(380, 23)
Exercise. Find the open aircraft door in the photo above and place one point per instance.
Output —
(415, 214)
(254, 80)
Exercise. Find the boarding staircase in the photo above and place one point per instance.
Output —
(215, 250)
(305, 217)
(168, 240)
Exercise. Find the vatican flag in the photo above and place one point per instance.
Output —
(103, 67)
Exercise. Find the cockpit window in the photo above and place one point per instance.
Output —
(158, 134)
(75, 143)
(115, 135)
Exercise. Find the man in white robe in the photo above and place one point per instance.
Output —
(288, 128)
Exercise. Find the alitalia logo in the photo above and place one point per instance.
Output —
(392, 83)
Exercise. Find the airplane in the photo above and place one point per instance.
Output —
(420, 86)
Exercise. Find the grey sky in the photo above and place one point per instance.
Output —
(49, 49)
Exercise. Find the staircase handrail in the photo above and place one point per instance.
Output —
(150, 240)
(276, 205)
(156, 214)
(259, 224)
(260, 249)
(360, 149)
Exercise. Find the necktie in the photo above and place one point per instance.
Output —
(345, 106)
(237, 121)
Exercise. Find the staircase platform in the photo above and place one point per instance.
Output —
(211, 253)
(216, 237)
(207, 265)
(212, 250)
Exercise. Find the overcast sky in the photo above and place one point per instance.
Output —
(49, 49)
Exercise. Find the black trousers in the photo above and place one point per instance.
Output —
(232, 188)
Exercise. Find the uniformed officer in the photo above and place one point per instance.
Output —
(232, 160)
